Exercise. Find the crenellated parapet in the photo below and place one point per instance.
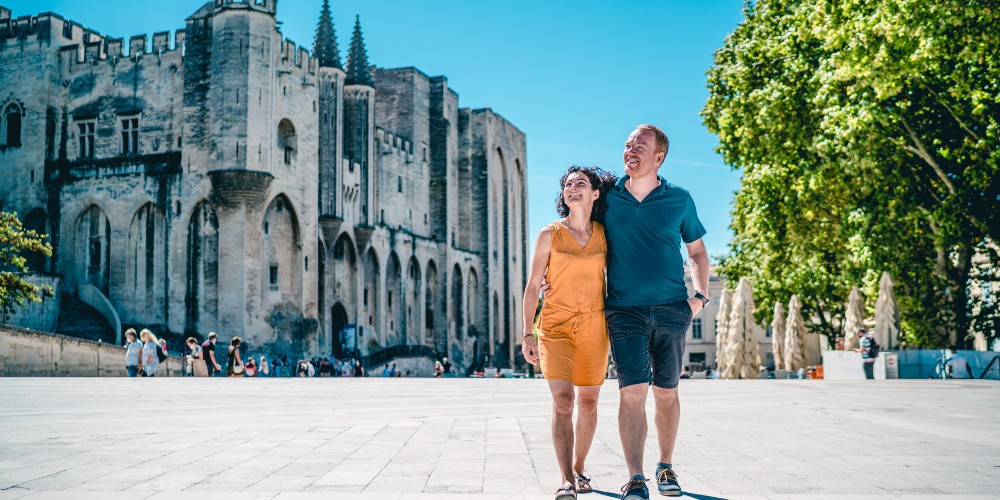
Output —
(264, 6)
(388, 143)
(296, 61)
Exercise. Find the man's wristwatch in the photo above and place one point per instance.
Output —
(704, 300)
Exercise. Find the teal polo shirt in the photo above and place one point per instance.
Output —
(645, 266)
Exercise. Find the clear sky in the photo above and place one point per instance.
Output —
(575, 76)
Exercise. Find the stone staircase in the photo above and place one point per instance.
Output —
(77, 319)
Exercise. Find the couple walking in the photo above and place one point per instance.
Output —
(618, 238)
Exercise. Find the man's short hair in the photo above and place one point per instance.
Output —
(130, 331)
(211, 335)
(662, 143)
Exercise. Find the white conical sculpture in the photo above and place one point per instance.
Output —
(886, 314)
(722, 328)
(854, 319)
(795, 333)
(742, 348)
(778, 335)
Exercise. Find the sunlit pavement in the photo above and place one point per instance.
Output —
(400, 439)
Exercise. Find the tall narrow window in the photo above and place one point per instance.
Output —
(10, 126)
(86, 132)
(696, 329)
(274, 276)
(130, 135)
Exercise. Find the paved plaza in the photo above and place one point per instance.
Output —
(410, 439)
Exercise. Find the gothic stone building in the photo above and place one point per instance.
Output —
(224, 179)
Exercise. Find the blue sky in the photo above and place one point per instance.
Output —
(575, 76)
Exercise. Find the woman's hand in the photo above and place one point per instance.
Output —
(529, 349)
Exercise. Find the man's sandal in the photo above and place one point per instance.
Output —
(583, 483)
(566, 493)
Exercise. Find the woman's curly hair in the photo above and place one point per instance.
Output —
(600, 180)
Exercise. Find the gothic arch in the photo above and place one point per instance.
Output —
(394, 309)
(344, 271)
(439, 335)
(146, 266)
(457, 317)
(472, 304)
(281, 254)
(201, 297)
(413, 306)
(93, 249)
(370, 298)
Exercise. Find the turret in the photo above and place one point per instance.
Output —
(359, 122)
(331, 117)
(325, 47)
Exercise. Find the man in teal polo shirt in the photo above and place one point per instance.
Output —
(648, 309)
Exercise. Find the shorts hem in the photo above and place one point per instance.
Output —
(622, 384)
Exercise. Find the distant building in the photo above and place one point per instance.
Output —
(224, 179)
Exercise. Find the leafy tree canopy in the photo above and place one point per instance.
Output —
(867, 133)
(15, 241)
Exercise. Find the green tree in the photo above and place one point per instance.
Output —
(15, 241)
(867, 133)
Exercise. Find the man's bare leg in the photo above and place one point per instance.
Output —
(668, 417)
(632, 424)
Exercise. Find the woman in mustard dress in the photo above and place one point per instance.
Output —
(572, 345)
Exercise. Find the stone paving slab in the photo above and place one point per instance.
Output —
(453, 439)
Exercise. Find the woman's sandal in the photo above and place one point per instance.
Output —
(583, 483)
(566, 493)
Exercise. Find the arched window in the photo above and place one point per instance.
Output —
(10, 125)
(286, 139)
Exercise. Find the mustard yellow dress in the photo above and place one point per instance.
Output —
(573, 339)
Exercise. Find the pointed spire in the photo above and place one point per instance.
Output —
(325, 46)
(358, 72)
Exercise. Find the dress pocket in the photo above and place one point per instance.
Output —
(558, 323)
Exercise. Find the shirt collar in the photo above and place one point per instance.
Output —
(664, 185)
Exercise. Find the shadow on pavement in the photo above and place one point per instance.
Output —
(686, 494)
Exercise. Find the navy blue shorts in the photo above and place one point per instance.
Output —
(647, 342)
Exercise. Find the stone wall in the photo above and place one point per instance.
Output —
(28, 353)
(39, 315)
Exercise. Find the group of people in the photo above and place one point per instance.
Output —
(612, 274)
(145, 353)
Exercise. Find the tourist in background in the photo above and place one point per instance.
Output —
(958, 364)
(208, 353)
(250, 370)
(133, 353)
(196, 359)
(263, 370)
(150, 361)
(866, 346)
(573, 336)
(234, 365)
